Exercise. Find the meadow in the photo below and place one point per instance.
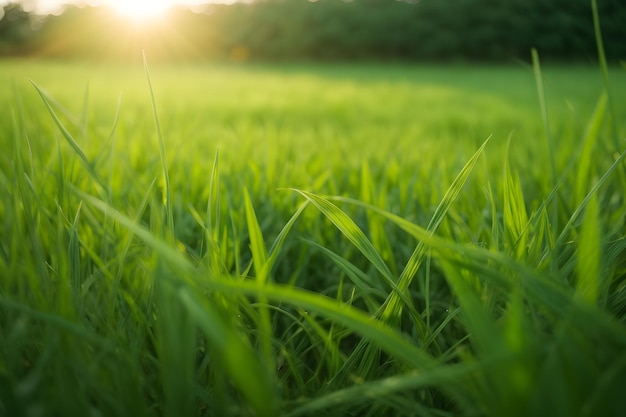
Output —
(312, 239)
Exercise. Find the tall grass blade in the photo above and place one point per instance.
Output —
(515, 217)
(517, 340)
(544, 114)
(574, 216)
(111, 139)
(213, 203)
(399, 299)
(125, 247)
(355, 235)
(592, 134)
(540, 285)
(176, 339)
(361, 279)
(242, 364)
(484, 334)
(70, 139)
(375, 331)
(554, 217)
(351, 231)
(393, 308)
(358, 321)
(22, 219)
(259, 259)
(235, 352)
(74, 255)
(169, 214)
(605, 73)
(171, 254)
(274, 250)
(588, 285)
(445, 377)
(257, 245)
(376, 227)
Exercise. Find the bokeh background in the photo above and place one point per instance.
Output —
(304, 30)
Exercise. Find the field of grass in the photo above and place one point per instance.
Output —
(295, 240)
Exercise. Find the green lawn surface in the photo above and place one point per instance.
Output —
(311, 239)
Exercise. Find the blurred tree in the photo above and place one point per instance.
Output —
(15, 27)
(485, 30)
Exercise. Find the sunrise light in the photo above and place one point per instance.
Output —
(141, 10)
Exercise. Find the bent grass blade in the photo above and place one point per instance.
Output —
(70, 139)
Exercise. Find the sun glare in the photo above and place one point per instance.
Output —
(141, 10)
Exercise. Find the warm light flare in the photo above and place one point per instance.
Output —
(141, 10)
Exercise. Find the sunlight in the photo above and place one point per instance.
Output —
(141, 10)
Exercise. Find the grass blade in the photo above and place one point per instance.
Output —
(240, 360)
(342, 399)
(592, 134)
(371, 329)
(546, 122)
(393, 308)
(169, 214)
(257, 245)
(70, 139)
(176, 339)
(259, 259)
(542, 286)
(515, 217)
(605, 73)
(355, 235)
(213, 203)
(588, 285)
(574, 216)
(351, 231)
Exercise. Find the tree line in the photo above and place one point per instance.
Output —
(434, 30)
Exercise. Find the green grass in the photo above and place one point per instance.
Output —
(368, 240)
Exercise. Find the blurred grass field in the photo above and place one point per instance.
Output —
(319, 119)
(355, 248)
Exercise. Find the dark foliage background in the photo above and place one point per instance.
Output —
(434, 30)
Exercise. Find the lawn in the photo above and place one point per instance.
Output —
(311, 239)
